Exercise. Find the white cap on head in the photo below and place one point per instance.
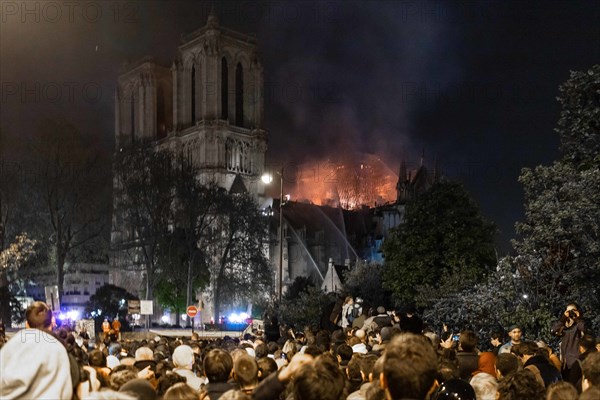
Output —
(112, 362)
(183, 357)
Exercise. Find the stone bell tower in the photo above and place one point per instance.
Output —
(208, 107)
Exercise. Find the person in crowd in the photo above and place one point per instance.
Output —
(522, 385)
(410, 321)
(355, 311)
(587, 345)
(116, 327)
(318, 379)
(245, 373)
(359, 321)
(382, 319)
(218, 367)
(97, 360)
(409, 368)
(561, 391)
(34, 364)
(485, 386)
(539, 365)
(144, 358)
(180, 391)
(83, 333)
(569, 328)
(266, 366)
(183, 361)
(368, 325)
(592, 393)
(260, 350)
(547, 352)
(121, 375)
(345, 312)
(455, 389)
(591, 372)
(506, 364)
(367, 366)
(383, 338)
(331, 342)
(168, 379)
(105, 328)
(515, 333)
(354, 378)
(140, 389)
(375, 391)
(448, 369)
(357, 346)
(434, 338)
(235, 395)
(496, 341)
(467, 356)
(484, 380)
(343, 354)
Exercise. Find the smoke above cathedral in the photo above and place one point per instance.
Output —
(351, 79)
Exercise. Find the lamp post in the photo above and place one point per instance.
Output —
(267, 179)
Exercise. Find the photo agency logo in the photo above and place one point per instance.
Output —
(71, 12)
(50, 92)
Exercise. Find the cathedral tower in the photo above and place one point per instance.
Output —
(208, 107)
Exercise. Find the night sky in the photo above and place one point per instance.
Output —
(472, 83)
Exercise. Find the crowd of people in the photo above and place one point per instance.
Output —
(384, 356)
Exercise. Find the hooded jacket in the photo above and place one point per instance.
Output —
(35, 365)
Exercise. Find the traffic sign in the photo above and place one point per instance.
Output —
(146, 307)
(192, 311)
(133, 307)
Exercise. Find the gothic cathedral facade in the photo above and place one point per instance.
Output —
(207, 108)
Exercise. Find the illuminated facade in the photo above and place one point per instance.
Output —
(207, 108)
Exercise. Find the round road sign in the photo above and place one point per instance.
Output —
(192, 311)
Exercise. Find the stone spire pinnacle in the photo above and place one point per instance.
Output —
(213, 20)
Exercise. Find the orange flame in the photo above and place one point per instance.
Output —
(351, 185)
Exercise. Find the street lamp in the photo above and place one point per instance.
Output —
(267, 179)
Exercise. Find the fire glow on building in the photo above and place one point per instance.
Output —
(350, 184)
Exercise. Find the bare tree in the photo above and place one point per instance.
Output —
(70, 193)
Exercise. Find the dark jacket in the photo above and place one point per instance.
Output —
(269, 389)
(467, 364)
(145, 363)
(569, 343)
(216, 390)
(412, 324)
(548, 372)
(383, 320)
(575, 374)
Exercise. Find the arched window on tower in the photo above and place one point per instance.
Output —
(239, 95)
(224, 89)
(193, 96)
